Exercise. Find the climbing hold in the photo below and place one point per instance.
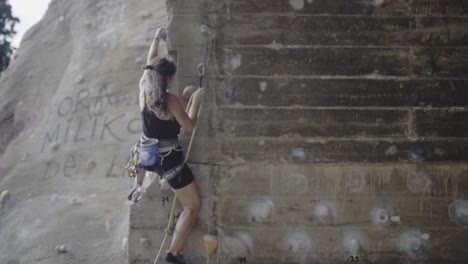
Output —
(297, 4)
(261, 211)
(124, 244)
(418, 153)
(392, 150)
(234, 247)
(4, 196)
(381, 215)
(354, 247)
(55, 146)
(395, 219)
(425, 236)
(380, 3)
(325, 212)
(263, 86)
(412, 242)
(61, 249)
(298, 154)
(458, 212)
(205, 31)
(354, 242)
(231, 91)
(211, 243)
(418, 181)
(298, 243)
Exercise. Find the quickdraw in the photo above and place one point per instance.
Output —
(132, 167)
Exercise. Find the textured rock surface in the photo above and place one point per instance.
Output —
(68, 117)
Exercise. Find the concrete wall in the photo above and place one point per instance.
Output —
(327, 124)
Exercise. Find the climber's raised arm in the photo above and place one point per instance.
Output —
(153, 52)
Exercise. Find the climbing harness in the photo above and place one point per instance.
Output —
(149, 152)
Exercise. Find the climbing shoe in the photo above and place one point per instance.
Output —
(130, 194)
(179, 259)
(135, 193)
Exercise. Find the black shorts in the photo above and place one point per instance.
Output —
(174, 159)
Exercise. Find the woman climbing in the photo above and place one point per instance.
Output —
(163, 116)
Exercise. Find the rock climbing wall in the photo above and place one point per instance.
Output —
(333, 132)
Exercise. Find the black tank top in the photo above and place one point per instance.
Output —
(153, 127)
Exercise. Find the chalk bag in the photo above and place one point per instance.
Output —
(149, 152)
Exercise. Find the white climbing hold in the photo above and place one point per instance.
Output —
(61, 249)
(263, 86)
(55, 146)
(392, 150)
(380, 3)
(261, 211)
(325, 212)
(236, 61)
(234, 247)
(425, 236)
(297, 4)
(381, 214)
(354, 242)
(458, 212)
(275, 45)
(411, 243)
(124, 244)
(205, 31)
(354, 247)
(4, 196)
(298, 243)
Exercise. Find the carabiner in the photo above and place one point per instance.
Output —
(201, 69)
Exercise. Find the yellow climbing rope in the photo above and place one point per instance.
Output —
(187, 154)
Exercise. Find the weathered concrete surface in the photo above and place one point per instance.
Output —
(324, 121)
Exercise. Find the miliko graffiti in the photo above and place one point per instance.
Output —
(87, 119)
